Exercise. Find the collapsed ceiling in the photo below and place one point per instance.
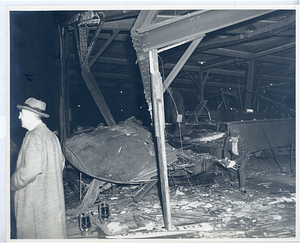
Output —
(242, 59)
(246, 56)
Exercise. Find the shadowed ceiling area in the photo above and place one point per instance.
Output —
(245, 59)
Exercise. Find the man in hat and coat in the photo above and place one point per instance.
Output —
(37, 183)
(235, 150)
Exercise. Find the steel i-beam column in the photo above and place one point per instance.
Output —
(159, 125)
(249, 85)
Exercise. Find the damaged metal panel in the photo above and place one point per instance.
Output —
(279, 132)
(123, 154)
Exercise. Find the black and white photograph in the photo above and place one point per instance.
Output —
(159, 123)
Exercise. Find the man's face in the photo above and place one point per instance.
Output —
(26, 117)
(234, 139)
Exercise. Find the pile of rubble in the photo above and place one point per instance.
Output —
(199, 210)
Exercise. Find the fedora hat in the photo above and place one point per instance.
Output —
(34, 105)
(234, 133)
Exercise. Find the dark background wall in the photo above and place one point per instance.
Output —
(34, 64)
(35, 72)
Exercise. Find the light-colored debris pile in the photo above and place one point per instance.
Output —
(209, 213)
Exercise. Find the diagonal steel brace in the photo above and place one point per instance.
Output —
(89, 77)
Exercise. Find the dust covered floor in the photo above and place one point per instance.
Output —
(203, 207)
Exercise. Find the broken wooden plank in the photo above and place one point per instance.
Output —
(141, 193)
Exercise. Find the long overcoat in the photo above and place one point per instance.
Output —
(38, 187)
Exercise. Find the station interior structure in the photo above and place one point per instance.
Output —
(115, 73)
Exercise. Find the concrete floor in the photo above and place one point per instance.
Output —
(204, 207)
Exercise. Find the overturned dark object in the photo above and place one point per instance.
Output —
(123, 154)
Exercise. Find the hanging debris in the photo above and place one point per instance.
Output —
(123, 154)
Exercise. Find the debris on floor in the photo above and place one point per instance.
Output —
(202, 206)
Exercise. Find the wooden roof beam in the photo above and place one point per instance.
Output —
(229, 53)
(275, 50)
(247, 55)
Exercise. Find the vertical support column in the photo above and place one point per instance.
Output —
(159, 125)
(257, 83)
(202, 82)
(82, 45)
(249, 85)
(64, 120)
(201, 90)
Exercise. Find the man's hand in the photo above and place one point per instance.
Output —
(231, 164)
(227, 163)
